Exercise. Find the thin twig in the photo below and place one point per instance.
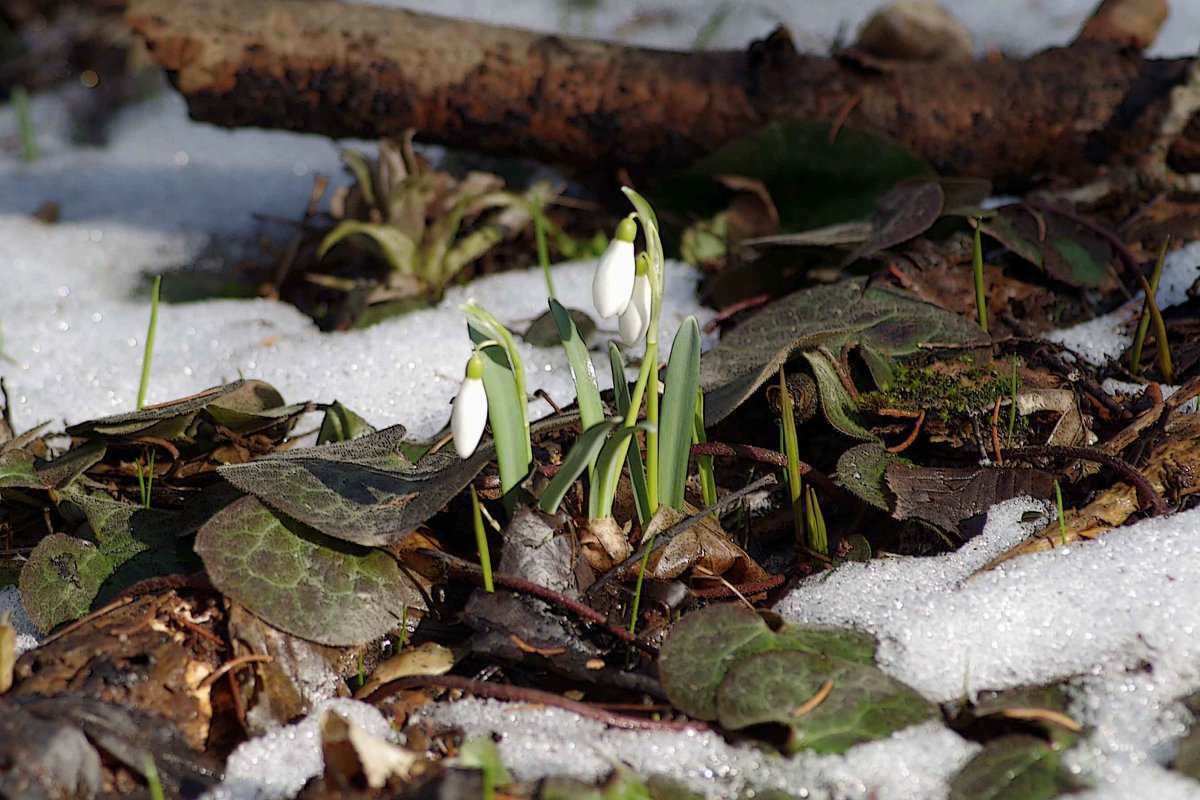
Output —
(753, 587)
(529, 696)
(1146, 492)
(233, 664)
(912, 437)
(461, 568)
(765, 455)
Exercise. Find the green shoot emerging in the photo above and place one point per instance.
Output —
(704, 464)
(1160, 333)
(543, 250)
(145, 480)
(791, 449)
(29, 148)
(977, 263)
(153, 782)
(481, 542)
(1062, 518)
(814, 519)
(148, 354)
(1012, 406)
(1139, 339)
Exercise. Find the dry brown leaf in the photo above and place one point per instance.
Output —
(705, 545)
(604, 543)
(429, 658)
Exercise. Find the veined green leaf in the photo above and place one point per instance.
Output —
(591, 410)
(584, 452)
(397, 249)
(678, 409)
(637, 470)
(608, 470)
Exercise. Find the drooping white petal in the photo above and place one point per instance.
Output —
(635, 320)
(612, 285)
(469, 416)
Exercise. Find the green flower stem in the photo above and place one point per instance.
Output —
(652, 434)
(543, 249)
(649, 371)
(637, 591)
(481, 542)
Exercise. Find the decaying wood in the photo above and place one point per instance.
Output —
(363, 71)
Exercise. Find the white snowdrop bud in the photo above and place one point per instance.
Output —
(469, 415)
(635, 320)
(612, 285)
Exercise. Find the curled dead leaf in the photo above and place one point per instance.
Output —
(704, 546)
(604, 543)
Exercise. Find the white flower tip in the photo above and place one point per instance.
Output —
(469, 416)
(635, 320)
(613, 284)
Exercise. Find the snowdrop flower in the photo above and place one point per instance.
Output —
(635, 319)
(612, 287)
(470, 412)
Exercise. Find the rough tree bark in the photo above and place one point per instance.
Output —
(363, 71)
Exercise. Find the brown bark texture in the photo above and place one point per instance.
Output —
(362, 71)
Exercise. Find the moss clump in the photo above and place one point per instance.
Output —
(944, 390)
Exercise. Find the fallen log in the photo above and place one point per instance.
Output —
(363, 71)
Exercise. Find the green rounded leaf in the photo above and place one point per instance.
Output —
(815, 177)
(861, 470)
(61, 578)
(705, 645)
(1017, 767)
(890, 322)
(306, 584)
(775, 687)
(699, 651)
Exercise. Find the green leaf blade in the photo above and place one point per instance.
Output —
(508, 413)
(677, 413)
(61, 578)
(583, 373)
(584, 452)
